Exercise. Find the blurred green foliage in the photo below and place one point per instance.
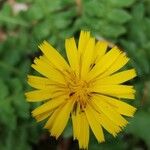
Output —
(123, 22)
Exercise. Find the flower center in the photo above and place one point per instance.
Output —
(78, 90)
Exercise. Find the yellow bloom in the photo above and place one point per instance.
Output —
(86, 88)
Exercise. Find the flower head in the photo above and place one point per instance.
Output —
(86, 89)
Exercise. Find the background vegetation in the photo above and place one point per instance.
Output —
(26, 23)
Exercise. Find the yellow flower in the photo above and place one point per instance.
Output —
(85, 89)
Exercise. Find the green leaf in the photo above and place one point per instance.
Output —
(111, 142)
(139, 126)
(18, 138)
(121, 3)
(68, 130)
(141, 65)
(98, 11)
(16, 85)
(7, 116)
(21, 106)
(112, 30)
(42, 30)
(139, 11)
(49, 6)
(12, 20)
(3, 90)
(6, 9)
(34, 13)
(118, 15)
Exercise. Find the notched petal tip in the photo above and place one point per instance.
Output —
(85, 32)
(116, 133)
(135, 73)
(124, 124)
(28, 78)
(133, 111)
(101, 141)
(69, 39)
(42, 44)
(35, 60)
(27, 97)
(33, 65)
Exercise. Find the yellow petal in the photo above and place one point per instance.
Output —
(118, 64)
(44, 94)
(84, 132)
(42, 116)
(95, 126)
(71, 50)
(61, 120)
(38, 95)
(65, 74)
(83, 39)
(86, 59)
(120, 91)
(48, 106)
(108, 124)
(76, 117)
(51, 119)
(54, 57)
(117, 78)
(39, 82)
(121, 107)
(75, 121)
(48, 71)
(104, 63)
(100, 49)
(102, 107)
